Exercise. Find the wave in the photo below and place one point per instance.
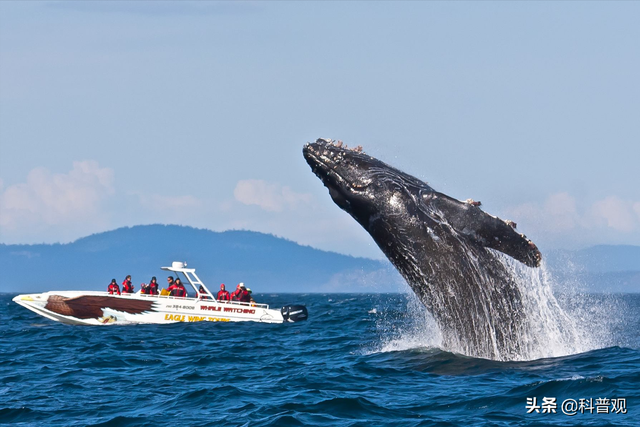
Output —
(346, 366)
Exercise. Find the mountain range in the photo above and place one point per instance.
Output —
(264, 262)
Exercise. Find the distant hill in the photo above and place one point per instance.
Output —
(264, 262)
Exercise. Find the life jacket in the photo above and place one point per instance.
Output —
(153, 288)
(127, 287)
(223, 296)
(244, 296)
(113, 289)
(177, 291)
(235, 296)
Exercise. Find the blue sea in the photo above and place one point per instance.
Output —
(360, 360)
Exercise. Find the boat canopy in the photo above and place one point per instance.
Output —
(179, 267)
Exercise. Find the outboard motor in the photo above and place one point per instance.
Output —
(294, 313)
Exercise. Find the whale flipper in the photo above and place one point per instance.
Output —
(487, 230)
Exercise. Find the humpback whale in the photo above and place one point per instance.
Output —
(448, 251)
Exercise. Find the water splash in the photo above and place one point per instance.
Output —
(574, 322)
(563, 317)
(412, 327)
(549, 331)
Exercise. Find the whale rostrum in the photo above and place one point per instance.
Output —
(444, 248)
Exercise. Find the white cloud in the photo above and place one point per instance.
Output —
(559, 219)
(269, 196)
(48, 199)
(618, 214)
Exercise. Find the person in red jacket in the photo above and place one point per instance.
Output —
(202, 293)
(235, 296)
(177, 289)
(153, 286)
(245, 296)
(241, 294)
(113, 287)
(223, 295)
(127, 286)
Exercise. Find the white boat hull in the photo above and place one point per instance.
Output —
(101, 308)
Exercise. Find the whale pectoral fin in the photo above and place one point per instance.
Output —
(487, 230)
(499, 235)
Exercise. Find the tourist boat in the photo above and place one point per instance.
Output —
(102, 308)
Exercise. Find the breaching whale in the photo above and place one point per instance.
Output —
(447, 250)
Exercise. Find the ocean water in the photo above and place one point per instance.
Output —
(360, 360)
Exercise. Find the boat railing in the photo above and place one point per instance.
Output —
(247, 304)
(212, 300)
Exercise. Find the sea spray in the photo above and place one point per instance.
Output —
(549, 330)
(575, 322)
(410, 327)
(563, 318)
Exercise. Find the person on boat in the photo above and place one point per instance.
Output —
(181, 287)
(113, 287)
(251, 300)
(245, 296)
(223, 294)
(202, 292)
(144, 288)
(127, 286)
(153, 286)
(177, 289)
(169, 284)
(241, 294)
(235, 296)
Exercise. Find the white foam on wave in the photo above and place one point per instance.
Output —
(572, 378)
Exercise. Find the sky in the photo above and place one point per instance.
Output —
(121, 113)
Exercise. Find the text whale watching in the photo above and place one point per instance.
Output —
(115, 307)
